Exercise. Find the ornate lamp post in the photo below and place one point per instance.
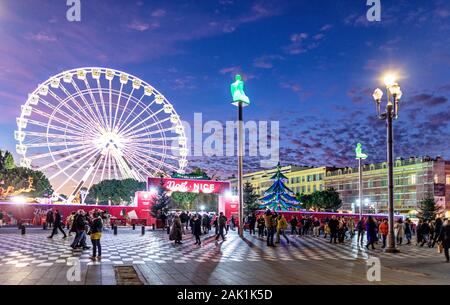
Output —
(394, 95)
(360, 156)
(240, 100)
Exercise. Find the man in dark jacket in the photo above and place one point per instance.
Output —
(222, 220)
(251, 223)
(333, 224)
(437, 231)
(58, 225)
(197, 228)
(49, 219)
(361, 227)
(425, 232)
(294, 222)
(80, 229)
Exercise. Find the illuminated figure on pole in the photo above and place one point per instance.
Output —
(359, 153)
(240, 100)
(279, 197)
(237, 92)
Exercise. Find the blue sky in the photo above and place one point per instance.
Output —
(312, 65)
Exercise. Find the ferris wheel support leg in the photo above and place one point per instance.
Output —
(84, 179)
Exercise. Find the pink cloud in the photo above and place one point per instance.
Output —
(158, 13)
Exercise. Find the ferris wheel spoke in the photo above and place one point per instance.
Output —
(138, 165)
(104, 166)
(110, 105)
(53, 144)
(95, 172)
(80, 183)
(127, 131)
(84, 121)
(122, 130)
(118, 106)
(160, 162)
(124, 110)
(80, 108)
(102, 101)
(143, 161)
(147, 150)
(57, 152)
(52, 135)
(81, 95)
(56, 162)
(133, 109)
(76, 130)
(94, 102)
(149, 140)
(159, 122)
(61, 112)
(157, 131)
(89, 156)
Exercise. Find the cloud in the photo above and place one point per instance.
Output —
(41, 37)
(427, 100)
(158, 13)
(142, 26)
(266, 61)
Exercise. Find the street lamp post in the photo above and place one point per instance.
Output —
(360, 156)
(394, 95)
(240, 100)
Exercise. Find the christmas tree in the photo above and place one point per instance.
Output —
(279, 196)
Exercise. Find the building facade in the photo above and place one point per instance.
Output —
(414, 179)
(301, 179)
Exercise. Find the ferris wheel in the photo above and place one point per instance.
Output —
(87, 125)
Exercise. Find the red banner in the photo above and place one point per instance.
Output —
(190, 186)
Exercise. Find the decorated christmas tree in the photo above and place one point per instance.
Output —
(279, 196)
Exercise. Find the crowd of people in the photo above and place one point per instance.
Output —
(82, 224)
(270, 225)
(199, 224)
(371, 231)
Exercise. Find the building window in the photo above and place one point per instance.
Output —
(309, 189)
(436, 179)
(413, 179)
(297, 180)
(447, 179)
(314, 188)
(303, 189)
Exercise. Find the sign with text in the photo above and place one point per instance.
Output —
(190, 186)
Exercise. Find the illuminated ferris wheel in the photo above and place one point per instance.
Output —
(87, 125)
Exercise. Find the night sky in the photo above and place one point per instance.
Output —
(311, 65)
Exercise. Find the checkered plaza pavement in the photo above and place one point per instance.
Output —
(246, 261)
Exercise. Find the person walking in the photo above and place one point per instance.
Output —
(232, 223)
(96, 229)
(281, 228)
(333, 224)
(351, 227)
(419, 236)
(197, 228)
(361, 227)
(438, 223)
(342, 228)
(408, 231)
(384, 230)
(176, 232)
(49, 219)
(270, 228)
(371, 228)
(1, 218)
(80, 229)
(316, 227)
(444, 238)
(184, 221)
(205, 223)
(326, 229)
(251, 223)
(58, 225)
(425, 232)
(399, 230)
(261, 226)
(293, 223)
(222, 221)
